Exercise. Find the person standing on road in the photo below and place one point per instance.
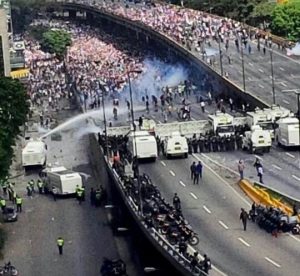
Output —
(198, 173)
(79, 194)
(193, 169)
(19, 201)
(3, 204)
(60, 244)
(93, 197)
(176, 202)
(244, 218)
(54, 192)
(241, 167)
(260, 173)
(40, 186)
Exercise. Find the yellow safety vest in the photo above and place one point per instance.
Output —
(79, 193)
(19, 200)
(3, 202)
(60, 242)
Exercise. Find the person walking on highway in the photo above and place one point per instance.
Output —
(54, 193)
(19, 201)
(260, 173)
(241, 167)
(202, 104)
(3, 204)
(193, 169)
(79, 194)
(244, 218)
(60, 244)
(198, 173)
(176, 202)
(40, 186)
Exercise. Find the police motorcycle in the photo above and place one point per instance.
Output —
(8, 270)
(113, 267)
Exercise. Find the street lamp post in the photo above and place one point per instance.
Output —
(104, 117)
(243, 68)
(221, 56)
(272, 76)
(134, 138)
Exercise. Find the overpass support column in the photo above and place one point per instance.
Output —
(72, 14)
(89, 17)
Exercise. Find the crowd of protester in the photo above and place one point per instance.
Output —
(94, 56)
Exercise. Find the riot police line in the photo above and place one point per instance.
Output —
(168, 220)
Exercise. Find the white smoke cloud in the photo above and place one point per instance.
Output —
(295, 51)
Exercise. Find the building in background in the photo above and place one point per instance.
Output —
(4, 45)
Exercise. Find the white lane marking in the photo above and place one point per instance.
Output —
(249, 78)
(272, 262)
(172, 173)
(206, 111)
(258, 157)
(153, 116)
(285, 101)
(206, 209)
(283, 84)
(159, 122)
(290, 155)
(181, 183)
(261, 70)
(163, 163)
(193, 119)
(282, 69)
(292, 75)
(276, 167)
(193, 195)
(292, 236)
(296, 177)
(261, 86)
(251, 64)
(223, 180)
(223, 224)
(244, 242)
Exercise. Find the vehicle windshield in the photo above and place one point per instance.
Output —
(267, 126)
(225, 129)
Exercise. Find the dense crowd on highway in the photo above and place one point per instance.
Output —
(188, 27)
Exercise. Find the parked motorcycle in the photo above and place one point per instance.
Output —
(8, 270)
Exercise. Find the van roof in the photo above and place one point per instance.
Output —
(34, 147)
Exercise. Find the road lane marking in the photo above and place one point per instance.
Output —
(290, 155)
(172, 173)
(282, 69)
(206, 111)
(276, 167)
(222, 179)
(193, 119)
(258, 157)
(193, 195)
(249, 78)
(223, 224)
(251, 64)
(292, 75)
(153, 116)
(163, 163)
(285, 101)
(181, 183)
(244, 242)
(283, 84)
(261, 86)
(296, 177)
(272, 262)
(206, 209)
(261, 70)
(159, 122)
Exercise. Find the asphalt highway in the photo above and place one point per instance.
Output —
(258, 76)
(213, 209)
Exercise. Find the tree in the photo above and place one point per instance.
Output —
(262, 13)
(24, 11)
(56, 42)
(14, 108)
(286, 20)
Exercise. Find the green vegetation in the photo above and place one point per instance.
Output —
(23, 11)
(13, 113)
(286, 20)
(281, 19)
(56, 42)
